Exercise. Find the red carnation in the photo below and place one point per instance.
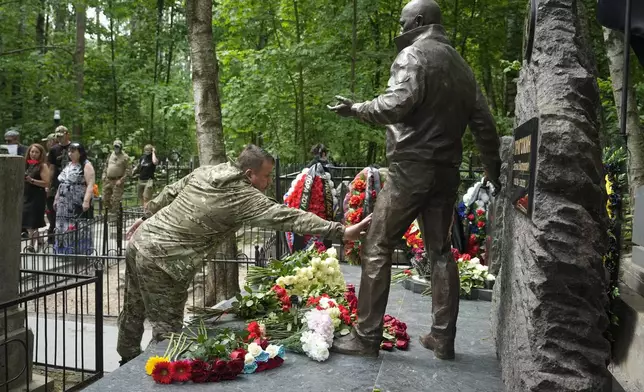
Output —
(240, 353)
(388, 346)
(407, 272)
(199, 371)
(181, 371)
(466, 257)
(354, 201)
(359, 185)
(236, 366)
(373, 194)
(481, 224)
(472, 238)
(470, 217)
(219, 366)
(388, 318)
(162, 373)
(402, 344)
(480, 212)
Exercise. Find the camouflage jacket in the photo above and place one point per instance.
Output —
(191, 217)
(117, 166)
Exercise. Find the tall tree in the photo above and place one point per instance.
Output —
(223, 278)
(79, 67)
(635, 140)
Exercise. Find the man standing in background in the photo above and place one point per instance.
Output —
(115, 173)
(145, 169)
(12, 141)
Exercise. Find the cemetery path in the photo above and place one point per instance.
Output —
(475, 368)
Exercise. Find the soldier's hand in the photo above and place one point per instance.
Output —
(492, 175)
(133, 228)
(353, 233)
(343, 108)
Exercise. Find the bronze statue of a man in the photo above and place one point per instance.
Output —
(431, 98)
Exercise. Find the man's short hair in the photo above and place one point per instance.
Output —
(253, 157)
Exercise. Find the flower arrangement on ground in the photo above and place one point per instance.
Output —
(200, 358)
(473, 212)
(313, 191)
(300, 303)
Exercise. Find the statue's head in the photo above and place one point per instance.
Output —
(419, 13)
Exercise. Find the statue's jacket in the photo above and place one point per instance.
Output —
(431, 98)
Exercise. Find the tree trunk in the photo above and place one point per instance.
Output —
(79, 65)
(222, 281)
(157, 58)
(113, 67)
(40, 26)
(635, 142)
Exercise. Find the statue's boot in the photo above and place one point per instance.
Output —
(445, 297)
(354, 344)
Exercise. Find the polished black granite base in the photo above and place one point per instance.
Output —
(475, 368)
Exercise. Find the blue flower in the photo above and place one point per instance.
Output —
(262, 357)
(281, 352)
(461, 210)
(474, 229)
(250, 368)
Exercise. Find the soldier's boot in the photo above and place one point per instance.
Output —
(442, 348)
(354, 344)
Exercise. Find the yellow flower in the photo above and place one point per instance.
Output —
(609, 186)
(152, 362)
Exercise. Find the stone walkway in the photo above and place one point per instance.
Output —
(475, 369)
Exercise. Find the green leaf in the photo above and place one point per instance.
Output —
(249, 303)
(345, 331)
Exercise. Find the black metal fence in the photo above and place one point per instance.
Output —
(47, 335)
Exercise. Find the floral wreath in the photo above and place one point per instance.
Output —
(312, 190)
(473, 212)
(359, 202)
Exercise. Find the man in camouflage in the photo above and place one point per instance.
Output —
(117, 169)
(184, 224)
(431, 98)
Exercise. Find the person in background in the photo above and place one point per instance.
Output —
(57, 159)
(145, 169)
(34, 196)
(117, 170)
(50, 141)
(73, 201)
(320, 155)
(12, 141)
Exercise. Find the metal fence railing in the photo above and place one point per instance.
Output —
(47, 335)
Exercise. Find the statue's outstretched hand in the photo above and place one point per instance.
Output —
(343, 108)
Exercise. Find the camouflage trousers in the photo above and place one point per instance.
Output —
(112, 194)
(149, 293)
(144, 190)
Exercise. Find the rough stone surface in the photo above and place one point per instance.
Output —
(475, 368)
(496, 214)
(550, 295)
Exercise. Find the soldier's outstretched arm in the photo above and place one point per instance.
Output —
(404, 92)
(486, 138)
(167, 195)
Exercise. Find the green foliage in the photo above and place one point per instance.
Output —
(281, 63)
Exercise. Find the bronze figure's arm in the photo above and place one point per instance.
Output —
(404, 92)
(486, 138)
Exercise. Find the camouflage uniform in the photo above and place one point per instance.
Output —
(117, 168)
(187, 222)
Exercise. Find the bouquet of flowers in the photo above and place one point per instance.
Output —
(395, 334)
(473, 211)
(473, 274)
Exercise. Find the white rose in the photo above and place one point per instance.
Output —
(490, 278)
(272, 350)
(249, 358)
(475, 261)
(331, 252)
(254, 349)
(481, 267)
